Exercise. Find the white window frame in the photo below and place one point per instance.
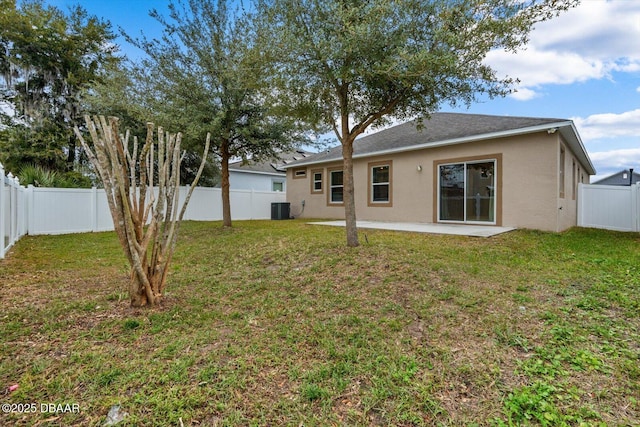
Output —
(314, 181)
(332, 186)
(372, 184)
(278, 181)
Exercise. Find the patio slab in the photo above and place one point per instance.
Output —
(416, 227)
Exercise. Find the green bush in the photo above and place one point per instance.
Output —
(39, 176)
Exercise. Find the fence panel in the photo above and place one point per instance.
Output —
(61, 210)
(13, 211)
(609, 206)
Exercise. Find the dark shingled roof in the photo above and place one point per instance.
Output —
(619, 178)
(273, 166)
(446, 128)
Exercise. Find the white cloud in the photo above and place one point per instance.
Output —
(524, 94)
(595, 29)
(591, 41)
(609, 162)
(609, 125)
(618, 158)
(638, 89)
(536, 67)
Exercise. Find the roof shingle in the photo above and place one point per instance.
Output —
(438, 128)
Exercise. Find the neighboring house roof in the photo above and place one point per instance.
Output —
(619, 178)
(452, 128)
(269, 167)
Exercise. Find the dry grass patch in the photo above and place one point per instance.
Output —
(278, 323)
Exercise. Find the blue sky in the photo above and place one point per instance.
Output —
(583, 66)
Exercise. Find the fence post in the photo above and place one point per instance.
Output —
(580, 213)
(32, 209)
(15, 232)
(252, 216)
(2, 211)
(11, 200)
(635, 206)
(93, 209)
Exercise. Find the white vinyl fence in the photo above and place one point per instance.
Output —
(612, 207)
(13, 211)
(36, 210)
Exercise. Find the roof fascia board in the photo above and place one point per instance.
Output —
(453, 141)
(583, 150)
(258, 173)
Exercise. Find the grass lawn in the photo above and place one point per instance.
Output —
(279, 323)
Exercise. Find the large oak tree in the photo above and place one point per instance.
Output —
(354, 64)
(207, 76)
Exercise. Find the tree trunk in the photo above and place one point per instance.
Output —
(349, 193)
(142, 223)
(226, 202)
(71, 156)
(137, 294)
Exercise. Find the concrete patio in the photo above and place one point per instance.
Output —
(455, 229)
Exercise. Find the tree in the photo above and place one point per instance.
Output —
(122, 95)
(146, 222)
(352, 64)
(206, 73)
(47, 58)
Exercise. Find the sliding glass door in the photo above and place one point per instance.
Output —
(467, 192)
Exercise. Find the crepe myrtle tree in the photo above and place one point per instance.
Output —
(145, 211)
(353, 64)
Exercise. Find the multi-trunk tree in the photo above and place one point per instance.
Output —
(142, 188)
(353, 64)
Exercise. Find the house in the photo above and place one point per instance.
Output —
(623, 177)
(459, 168)
(266, 175)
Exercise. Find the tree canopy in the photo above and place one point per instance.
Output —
(206, 74)
(47, 58)
(352, 64)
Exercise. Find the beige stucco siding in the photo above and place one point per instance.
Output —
(527, 195)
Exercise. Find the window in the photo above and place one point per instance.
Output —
(562, 155)
(316, 181)
(299, 173)
(380, 184)
(277, 186)
(579, 175)
(467, 191)
(336, 186)
(574, 177)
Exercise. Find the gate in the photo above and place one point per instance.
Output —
(613, 207)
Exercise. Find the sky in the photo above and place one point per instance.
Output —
(583, 65)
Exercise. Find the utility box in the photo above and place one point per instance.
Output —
(280, 210)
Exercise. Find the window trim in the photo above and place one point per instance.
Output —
(574, 180)
(329, 186)
(370, 192)
(313, 173)
(303, 175)
(562, 172)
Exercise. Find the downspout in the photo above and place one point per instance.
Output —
(631, 177)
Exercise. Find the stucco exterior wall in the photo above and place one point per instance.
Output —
(527, 177)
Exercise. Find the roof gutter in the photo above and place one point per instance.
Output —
(578, 148)
(257, 172)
